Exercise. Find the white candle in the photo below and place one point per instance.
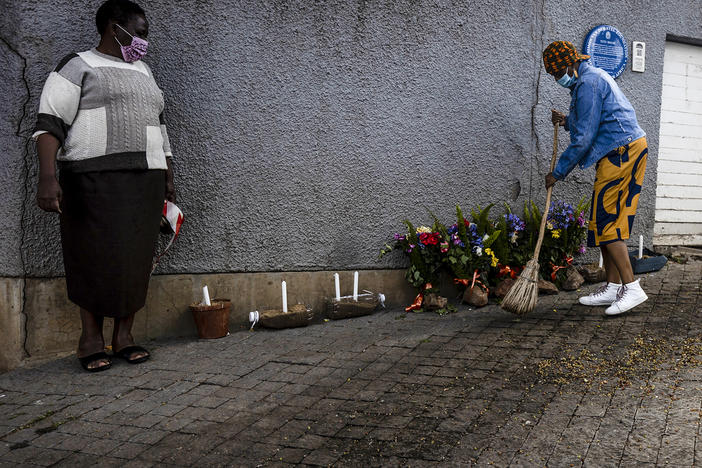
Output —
(337, 287)
(355, 286)
(206, 296)
(600, 259)
(640, 246)
(285, 297)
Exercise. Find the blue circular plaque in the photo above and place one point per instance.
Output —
(607, 49)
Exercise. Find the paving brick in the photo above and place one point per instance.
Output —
(321, 457)
(49, 457)
(128, 450)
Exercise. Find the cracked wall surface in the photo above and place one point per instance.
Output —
(305, 132)
(12, 165)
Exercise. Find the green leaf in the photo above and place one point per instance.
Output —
(493, 237)
(460, 223)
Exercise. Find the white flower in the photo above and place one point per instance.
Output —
(478, 251)
(486, 237)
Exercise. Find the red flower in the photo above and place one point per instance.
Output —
(433, 238)
(427, 238)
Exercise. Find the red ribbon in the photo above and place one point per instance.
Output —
(466, 282)
(513, 272)
(417, 304)
(476, 280)
(555, 268)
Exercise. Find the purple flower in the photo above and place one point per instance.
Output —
(514, 223)
(581, 219)
(399, 237)
(581, 250)
(476, 241)
(561, 214)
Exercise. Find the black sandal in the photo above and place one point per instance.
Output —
(87, 360)
(125, 352)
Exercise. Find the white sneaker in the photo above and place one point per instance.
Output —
(604, 295)
(629, 296)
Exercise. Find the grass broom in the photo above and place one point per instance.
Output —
(522, 296)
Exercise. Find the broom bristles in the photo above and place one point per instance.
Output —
(522, 296)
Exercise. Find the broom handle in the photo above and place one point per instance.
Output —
(544, 217)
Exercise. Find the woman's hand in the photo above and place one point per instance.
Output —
(48, 189)
(49, 194)
(170, 185)
(550, 180)
(558, 118)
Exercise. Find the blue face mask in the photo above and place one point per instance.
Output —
(566, 80)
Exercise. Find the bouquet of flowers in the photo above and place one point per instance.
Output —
(488, 233)
(464, 243)
(508, 246)
(425, 247)
(566, 227)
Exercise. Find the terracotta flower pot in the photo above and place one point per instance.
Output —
(212, 321)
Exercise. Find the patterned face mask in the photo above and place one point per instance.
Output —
(134, 51)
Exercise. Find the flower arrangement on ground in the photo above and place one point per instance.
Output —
(566, 228)
(425, 247)
(490, 250)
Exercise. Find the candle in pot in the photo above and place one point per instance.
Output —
(206, 296)
(285, 297)
(640, 246)
(337, 287)
(355, 286)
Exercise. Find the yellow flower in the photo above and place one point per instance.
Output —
(556, 233)
(493, 260)
(422, 229)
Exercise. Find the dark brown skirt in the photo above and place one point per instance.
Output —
(109, 229)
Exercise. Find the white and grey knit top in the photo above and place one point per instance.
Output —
(106, 113)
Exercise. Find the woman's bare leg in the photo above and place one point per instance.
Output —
(91, 340)
(122, 336)
(617, 259)
(610, 267)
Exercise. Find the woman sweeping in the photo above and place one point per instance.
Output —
(603, 131)
(101, 117)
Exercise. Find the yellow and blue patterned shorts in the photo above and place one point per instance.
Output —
(618, 182)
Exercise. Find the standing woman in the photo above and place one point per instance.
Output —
(603, 132)
(101, 118)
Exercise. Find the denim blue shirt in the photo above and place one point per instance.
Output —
(600, 119)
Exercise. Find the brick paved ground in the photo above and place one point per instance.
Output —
(562, 387)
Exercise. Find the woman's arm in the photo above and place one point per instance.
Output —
(48, 189)
(588, 111)
(170, 185)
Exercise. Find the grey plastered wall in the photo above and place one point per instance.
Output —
(305, 131)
